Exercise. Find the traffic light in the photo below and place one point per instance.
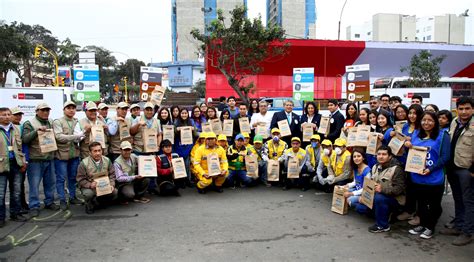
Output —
(37, 51)
(61, 81)
(125, 79)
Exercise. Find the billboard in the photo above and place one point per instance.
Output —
(65, 72)
(303, 84)
(358, 82)
(86, 82)
(149, 78)
(180, 76)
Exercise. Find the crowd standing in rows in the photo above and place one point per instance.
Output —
(284, 155)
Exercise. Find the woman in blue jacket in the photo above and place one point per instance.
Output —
(429, 186)
(184, 151)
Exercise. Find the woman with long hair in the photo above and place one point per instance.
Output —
(351, 117)
(180, 149)
(360, 169)
(197, 118)
(164, 116)
(384, 126)
(203, 108)
(373, 120)
(225, 114)
(253, 108)
(445, 117)
(401, 113)
(363, 117)
(174, 113)
(311, 116)
(432, 108)
(211, 113)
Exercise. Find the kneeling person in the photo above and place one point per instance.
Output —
(165, 181)
(236, 156)
(303, 162)
(131, 186)
(93, 166)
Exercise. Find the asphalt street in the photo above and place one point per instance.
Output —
(249, 224)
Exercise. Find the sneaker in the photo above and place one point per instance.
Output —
(405, 216)
(462, 240)
(378, 229)
(417, 230)
(76, 201)
(18, 218)
(52, 206)
(450, 232)
(89, 208)
(427, 234)
(23, 211)
(34, 212)
(63, 205)
(415, 221)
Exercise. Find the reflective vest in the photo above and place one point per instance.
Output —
(5, 154)
(274, 152)
(337, 163)
(314, 154)
(239, 162)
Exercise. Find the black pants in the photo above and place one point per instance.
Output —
(410, 203)
(429, 203)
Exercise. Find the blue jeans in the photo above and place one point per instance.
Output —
(462, 185)
(239, 174)
(37, 171)
(383, 206)
(262, 171)
(13, 179)
(63, 169)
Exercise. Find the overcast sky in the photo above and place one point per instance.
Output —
(142, 28)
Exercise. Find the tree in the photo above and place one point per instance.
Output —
(13, 48)
(238, 50)
(107, 64)
(200, 88)
(424, 70)
(131, 69)
(68, 52)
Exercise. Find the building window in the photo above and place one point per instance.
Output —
(357, 36)
(428, 38)
(428, 28)
(369, 33)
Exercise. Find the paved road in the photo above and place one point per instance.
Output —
(256, 224)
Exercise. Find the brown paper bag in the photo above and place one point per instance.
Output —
(98, 135)
(157, 95)
(147, 166)
(399, 125)
(339, 202)
(396, 144)
(103, 186)
(262, 130)
(47, 141)
(307, 132)
(284, 128)
(373, 144)
(416, 159)
(124, 130)
(150, 141)
(186, 135)
(273, 170)
(362, 138)
(244, 125)
(206, 127)
(216, 126)
(368, 192)
(168, 133)
(228, 128)
(179, 169)
(351, 137)
(213, 165)
(293, 168)
(324, 125)
(251, 164)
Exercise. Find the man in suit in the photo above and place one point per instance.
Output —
(292, 118)
(336, 123)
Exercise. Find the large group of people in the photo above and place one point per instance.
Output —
(214, 161)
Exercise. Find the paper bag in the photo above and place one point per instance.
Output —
(324, 125)
(262, 130)
(273, 170)
(373, 144)
(168, 133)
(98, 135)
(216, 126)
(396, 144)
(416, 159)
(147, 166)
(368, 192)
(228, 128)
(103, 186)
(186, 135)
(284, 128)
(213, 165)
(124, 130)
(307, 132)
(339, 202)
(157, 95)
(150, 141)
(293, 168)
(362, 138)
(351, 137)
(399, 125)
(251, 164)
(47, 141)
(244, 125)
(179, 169)
(206, 127)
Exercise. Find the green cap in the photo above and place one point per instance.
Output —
(258, 139)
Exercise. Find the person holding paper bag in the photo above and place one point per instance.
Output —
(313, 150)
(199, 142)
(197, 118)
(261, 152)
(262, 118)
(295, 152)
(292, 118)
(90, 169)
(311, 117)
(185, 150)
(389, 177)
(131, 186)
(429, 187)
(241, 121)
(119, 130)
(236, 157)
(336, 121)
(147, 122)
(40, 166)
(275, 146)
(327, 153)
(339, 171)
(167, 185)
(134, 114)
(164, 117)
(360, 170)
(85, 126)
(200, 164)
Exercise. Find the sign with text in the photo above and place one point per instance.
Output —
(149, 78)
(86, 82)
(303, 84)
(358, 82)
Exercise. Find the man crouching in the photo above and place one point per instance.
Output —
(92, 169)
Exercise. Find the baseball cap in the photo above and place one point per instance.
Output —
(123, 105)
(149, 105)
(221, 137)
(295, 139)
(203, 135)
(69, 103)
(16, 110)
(275, 130)
(42, 106)
(258, 139)
(133, 106)
(125, 145)
(340, 142)
(103, 106)
(239, 136)
(326, 142)
(246, 135)
(211, 135)
(91, 106)
(316, 137)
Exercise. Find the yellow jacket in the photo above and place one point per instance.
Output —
(272, 149)
(341, 166)
(200, 159)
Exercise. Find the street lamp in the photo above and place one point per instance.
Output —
(340, 17)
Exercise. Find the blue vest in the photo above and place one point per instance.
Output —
(359, 178)
(436, 177)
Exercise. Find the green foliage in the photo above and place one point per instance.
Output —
(424, 70)
(238, 49)
(68, 53)
(13, 48)
(200, 88)
(131, 69)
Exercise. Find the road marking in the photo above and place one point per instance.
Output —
(24, 238)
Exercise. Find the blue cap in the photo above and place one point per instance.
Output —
(239, 136)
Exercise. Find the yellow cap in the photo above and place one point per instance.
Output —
(295, 139)
(211, 135)
(203, 135)
(340, 142)
(221, 137)
(275, 130)
(316, 136)
(326, 142)
(246, 135)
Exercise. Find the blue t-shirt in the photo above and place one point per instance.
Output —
(359, 178)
